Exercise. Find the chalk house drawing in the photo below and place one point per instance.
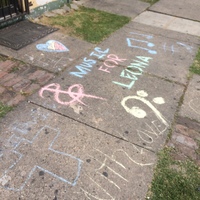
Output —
(52, 46)
(16, 176)
(158, 126)
(76, 96)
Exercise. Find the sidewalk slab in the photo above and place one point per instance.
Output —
(180, 8)
(164, 32)
(169, 22)
(54, 52)
(170, 55)
(191, 103)
(129, 8)
(124, 102)
(48, 156)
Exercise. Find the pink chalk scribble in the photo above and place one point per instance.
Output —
(76, 96)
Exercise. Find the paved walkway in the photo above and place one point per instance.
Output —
(98, 115)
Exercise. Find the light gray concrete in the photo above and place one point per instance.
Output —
(53, 61)
(180, 8)
(191, 103)
(108, 94)
(48, 156)
(129, 8)
(169, 22)
(94, 131)
(170, 54)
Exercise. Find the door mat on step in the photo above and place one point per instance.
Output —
(23, 33)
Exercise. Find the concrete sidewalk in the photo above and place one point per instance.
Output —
(100, 114)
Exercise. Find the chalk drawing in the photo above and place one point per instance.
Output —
(106, 165)
(76, 96)
(175, 47)
(25, 166)
(52, 46)
(132, 71)
(141, 41)
(88, 194)
(159, 100)
(30, 57)
(23, 128)
(140, 113)
(146, 134)
(145, 45)
(86, 66)
(148, 37)
(111, 62)
(194, 104)
(171, 48)
(188, 47)
(99, 53)
(112, 158)
(77, 109)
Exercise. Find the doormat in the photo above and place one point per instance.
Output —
(21, 34)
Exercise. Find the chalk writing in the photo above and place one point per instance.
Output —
(111, 62)
(175, 47)
(87, 64)
(26, 163)
(133, 43)
(89, 194)
(134, 70)
(52, 46)
(150, 131)
(146, 45)
(99, 53)
(188, 47)
(166, 48)
(84, 67)
(54, 62)
(76, 96)
(118, 172)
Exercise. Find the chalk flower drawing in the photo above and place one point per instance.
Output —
(76, 96)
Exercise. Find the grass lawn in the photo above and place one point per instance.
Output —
(150, 1)
(4, 109)
(87, 23)
(175, 180)
(195, 68)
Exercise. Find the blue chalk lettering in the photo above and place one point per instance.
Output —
(82, 71)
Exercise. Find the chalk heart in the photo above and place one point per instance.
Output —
(52, 46)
